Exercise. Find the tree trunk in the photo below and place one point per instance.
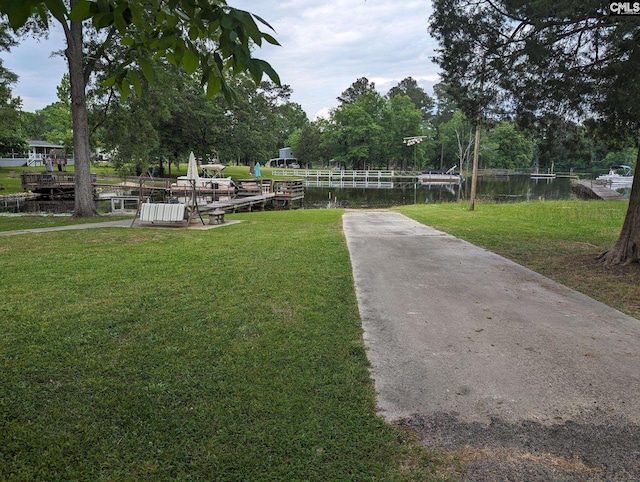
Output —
(627, 248)
(476, 154)
(84, 202)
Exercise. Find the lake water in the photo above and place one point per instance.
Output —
(516, 188)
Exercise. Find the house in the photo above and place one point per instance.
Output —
(38, 153)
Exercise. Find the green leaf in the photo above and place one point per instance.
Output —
(190, 61)
(147, 69)
(264, 22)
(122, 16)
(213, 85)
(270, 39)
(110, 82)
(18, 13)
(103, 6)
(171, 58)
(124, 89)
(81, 11)
(267, 69)
(57, 9)
(250, 27)
(102, 20)
(227, 22)
(135, 80)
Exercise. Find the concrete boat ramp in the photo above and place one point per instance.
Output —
(473, 350)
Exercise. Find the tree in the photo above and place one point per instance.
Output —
(511, 148)
(289, 116)
(418, 96)
(579, 60)
(471, 37)
(354, 132)
(307, 145)
(457, 137)
(56, 117)
(204, 36)
(565, 57)
(355, 90)
(402, 119)
(445, 108)
(12, 138)
(563, 143)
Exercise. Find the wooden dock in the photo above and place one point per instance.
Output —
(258, 193)
(54, 185)
(239, 203)
(593, 190)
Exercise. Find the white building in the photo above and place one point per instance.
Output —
(38, 152)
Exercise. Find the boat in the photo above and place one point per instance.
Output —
(441, 176)
(618, 174)
(208, 184)
(218, 186)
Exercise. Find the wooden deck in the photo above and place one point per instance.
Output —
(49, 184)
(280, 193)
(288, 191)
(592, 190)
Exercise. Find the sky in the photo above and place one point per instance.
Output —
(325, 47)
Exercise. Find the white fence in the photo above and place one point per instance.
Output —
(333, 174)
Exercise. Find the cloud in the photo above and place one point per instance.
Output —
(325, 47)
(40, 66)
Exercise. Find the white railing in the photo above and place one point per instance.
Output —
(336, 174)
(342, 183)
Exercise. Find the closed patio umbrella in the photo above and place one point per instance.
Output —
(192, 169)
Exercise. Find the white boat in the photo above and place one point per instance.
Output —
(208, 183)
(618, 174)
(441, 176)
(204, 183)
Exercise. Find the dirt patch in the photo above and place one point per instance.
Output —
(599, 450)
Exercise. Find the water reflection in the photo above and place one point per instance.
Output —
(513, 188)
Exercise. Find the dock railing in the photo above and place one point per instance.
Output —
(338, 175)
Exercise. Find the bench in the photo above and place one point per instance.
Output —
(216, 216)
(162, 213)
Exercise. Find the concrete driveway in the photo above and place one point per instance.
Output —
(462, 337)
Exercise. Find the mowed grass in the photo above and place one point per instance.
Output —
(234, 353)
(169, 354)
(559, 239)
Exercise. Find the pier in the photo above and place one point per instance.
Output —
(258, 193)
(334, 175)
(54, 185)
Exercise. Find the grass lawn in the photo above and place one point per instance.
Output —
(234, 353)
(173, 354)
